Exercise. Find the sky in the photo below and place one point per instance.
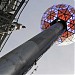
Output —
(58, 59)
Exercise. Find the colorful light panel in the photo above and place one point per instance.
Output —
(63, 12)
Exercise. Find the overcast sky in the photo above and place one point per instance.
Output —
(58, 59)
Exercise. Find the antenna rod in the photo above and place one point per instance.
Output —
(22, 58)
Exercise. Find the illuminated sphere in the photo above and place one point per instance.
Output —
(61, 12)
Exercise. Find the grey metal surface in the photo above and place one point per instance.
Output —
(21, 59)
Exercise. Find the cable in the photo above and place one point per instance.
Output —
(22, 10)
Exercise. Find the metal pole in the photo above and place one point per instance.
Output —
(22, 58)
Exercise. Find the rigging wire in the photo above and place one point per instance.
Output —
(22, 10)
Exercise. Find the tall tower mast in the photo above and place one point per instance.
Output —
(54, 24)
